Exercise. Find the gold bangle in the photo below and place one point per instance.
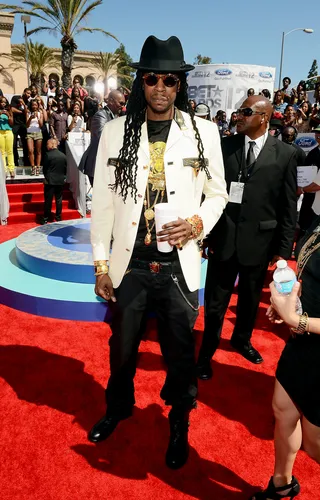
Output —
(100, 263)
(101, 268)
(302, 326)
(196, 226)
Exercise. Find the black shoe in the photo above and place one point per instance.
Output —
(178, 449)
(57, 218)
(248, 352)
(44, 221)
(273, 493)
(204, 370)
(104, 428)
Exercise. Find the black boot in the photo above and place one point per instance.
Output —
(178, 449)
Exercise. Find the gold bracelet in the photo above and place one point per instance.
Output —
(302, 326)
(196, 226)
(100, 263)
(100, 269)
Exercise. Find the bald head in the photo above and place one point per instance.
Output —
(255, 124)
(52, 144)
(116, 101)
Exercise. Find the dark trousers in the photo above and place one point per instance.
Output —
(22, 133)
(49, 192)
(221, 277)
(175, 319)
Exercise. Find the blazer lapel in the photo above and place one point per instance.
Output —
(144, 143)
(239, 152)
(175, 134)
(264, 156)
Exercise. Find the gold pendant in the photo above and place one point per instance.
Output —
(147, 240)
(149, 214)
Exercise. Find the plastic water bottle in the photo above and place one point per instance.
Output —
(284, 280)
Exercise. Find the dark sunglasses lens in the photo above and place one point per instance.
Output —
(169, 81)
(151, 80)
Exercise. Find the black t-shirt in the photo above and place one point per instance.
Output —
(19, 119)
(158, 132)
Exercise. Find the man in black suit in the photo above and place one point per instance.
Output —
(114, 104)
(257, 227)
(54, 171)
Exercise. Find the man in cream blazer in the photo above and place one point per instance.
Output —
(157, 153)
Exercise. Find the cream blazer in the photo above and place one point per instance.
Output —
(112, 219)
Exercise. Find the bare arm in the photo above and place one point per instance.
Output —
(285, 305)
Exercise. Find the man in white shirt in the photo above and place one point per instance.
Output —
(257, 227)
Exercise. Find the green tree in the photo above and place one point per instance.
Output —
(202, 60)
(125, 73)
(67, 18)
(40, 58)
(109, 64)
(313, 72)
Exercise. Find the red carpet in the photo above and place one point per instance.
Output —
(26, 203)
(52, 379)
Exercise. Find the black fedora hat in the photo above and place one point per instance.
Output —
(162, 55)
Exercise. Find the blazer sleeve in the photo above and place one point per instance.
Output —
(215, 189)
(288, 215)
(102, 208)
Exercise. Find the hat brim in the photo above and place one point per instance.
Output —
(183, 69)
(202, 114)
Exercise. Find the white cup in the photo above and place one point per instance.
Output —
(164, 213)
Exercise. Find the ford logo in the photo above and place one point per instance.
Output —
(306, 142)
(265, 74)
(223, 72)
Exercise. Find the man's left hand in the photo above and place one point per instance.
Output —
(275, 259)
(175, 232)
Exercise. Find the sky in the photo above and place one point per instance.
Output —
(234, 31)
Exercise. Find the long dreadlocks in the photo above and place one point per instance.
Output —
(126, 171)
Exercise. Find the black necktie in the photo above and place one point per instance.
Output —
(250, 155)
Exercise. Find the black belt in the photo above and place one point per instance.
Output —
(155, 267)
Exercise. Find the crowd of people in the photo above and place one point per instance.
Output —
(291, 107)
(32, 120)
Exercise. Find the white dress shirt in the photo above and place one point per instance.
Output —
(260, 142)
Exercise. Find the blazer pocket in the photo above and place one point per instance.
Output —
(264, 225)
(194, 163)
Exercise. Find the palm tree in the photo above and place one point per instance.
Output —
(107, 63)
(40, 59)
(65, 18)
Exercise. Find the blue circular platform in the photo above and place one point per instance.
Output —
(60, 251)
(48, 271)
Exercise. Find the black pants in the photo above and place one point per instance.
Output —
(221, 277)
(175, 328)
(22, 133)
(49, 192)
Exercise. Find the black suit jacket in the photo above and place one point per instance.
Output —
(264, 224)
(55, 167)
(88, 160)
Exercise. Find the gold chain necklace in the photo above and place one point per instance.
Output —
(307, 250)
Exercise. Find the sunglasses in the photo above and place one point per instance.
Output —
(151, 79)
(248, 112)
